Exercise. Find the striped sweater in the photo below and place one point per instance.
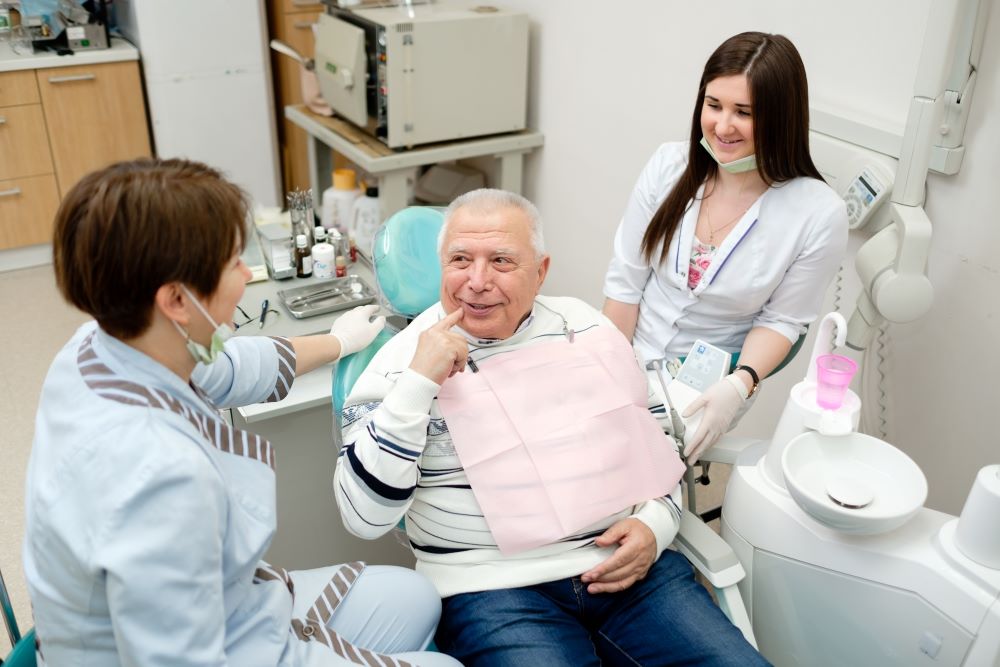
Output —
(398, 462)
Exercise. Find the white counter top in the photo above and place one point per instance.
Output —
(120, 51)
(311, 389)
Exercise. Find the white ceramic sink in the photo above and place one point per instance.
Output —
(853, 483)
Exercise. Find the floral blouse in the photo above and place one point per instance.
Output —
(702, 255)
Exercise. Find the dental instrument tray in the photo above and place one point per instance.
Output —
(326, 296)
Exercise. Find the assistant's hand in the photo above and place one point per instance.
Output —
(629, 563)
(354, 330)
(721, 402)
(441, 352)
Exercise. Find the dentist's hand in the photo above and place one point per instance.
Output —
(629, 563)
(441, 352)
(721, 402)
(354, 330)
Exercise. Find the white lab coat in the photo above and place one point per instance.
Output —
(147, 515)
(771, 271)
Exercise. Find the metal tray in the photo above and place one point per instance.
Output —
(326, 296)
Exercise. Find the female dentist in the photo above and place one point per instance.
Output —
(147, 514)
(732, 236)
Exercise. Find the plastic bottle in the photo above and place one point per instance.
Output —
(322, 260)
(366, 219)
(338, 200)
(303, 258)
(319, 236)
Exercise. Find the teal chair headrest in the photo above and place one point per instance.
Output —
(349, 369)
(406, 262)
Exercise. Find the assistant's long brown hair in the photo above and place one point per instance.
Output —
(779, 96)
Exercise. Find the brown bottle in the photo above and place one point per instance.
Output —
(303, 257)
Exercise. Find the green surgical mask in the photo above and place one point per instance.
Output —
(744, 164)
(199, 352)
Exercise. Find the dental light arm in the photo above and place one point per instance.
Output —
(892, 264)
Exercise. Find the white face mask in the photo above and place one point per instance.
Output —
(222, 333)
(744, 164)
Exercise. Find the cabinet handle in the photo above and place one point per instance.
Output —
(302, 25)
(3, 120)
(304, 3)
(13, 192)
(67, 79)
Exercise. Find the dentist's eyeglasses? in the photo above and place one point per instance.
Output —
(247, 320)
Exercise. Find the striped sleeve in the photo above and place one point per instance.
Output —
(251, 369)
(286, 368)
(385, 431)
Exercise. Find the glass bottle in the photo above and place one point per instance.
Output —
(303, 257)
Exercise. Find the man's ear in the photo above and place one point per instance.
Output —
(543, 269)
(171, 302)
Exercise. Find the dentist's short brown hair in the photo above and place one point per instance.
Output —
(125, 230)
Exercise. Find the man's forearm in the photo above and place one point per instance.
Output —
(377, 470)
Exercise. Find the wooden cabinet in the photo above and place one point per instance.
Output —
(291, 21)
(57, 124)
(28, 192)
(95, 115)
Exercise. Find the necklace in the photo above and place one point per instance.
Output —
(708, 217)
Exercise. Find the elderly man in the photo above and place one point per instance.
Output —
(609, 592)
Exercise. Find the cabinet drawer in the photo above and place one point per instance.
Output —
(95, 114)
(24, 143)
(301, 6)
(18, 88)
(27, 210)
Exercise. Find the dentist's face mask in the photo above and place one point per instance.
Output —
(744, 164)
(222, 333)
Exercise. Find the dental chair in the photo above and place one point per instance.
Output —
(23, 652)
(408, 274)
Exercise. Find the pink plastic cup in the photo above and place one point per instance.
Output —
(834, 373)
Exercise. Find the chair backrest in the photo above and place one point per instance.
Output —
(405, 260)
(408, 275)
(23, 652)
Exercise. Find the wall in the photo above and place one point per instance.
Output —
(611, 81)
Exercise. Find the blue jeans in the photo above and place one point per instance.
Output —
(668, 618)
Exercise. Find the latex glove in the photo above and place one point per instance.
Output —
(354, 330)
(721, 402)
(629, 563)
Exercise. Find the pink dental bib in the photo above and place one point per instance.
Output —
(557, 436)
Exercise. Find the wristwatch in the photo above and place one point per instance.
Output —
(753, 376)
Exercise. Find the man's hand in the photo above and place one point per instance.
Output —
(629, 563)
(440, 352)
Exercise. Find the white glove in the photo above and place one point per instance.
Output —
(354, 331)
(721, 402)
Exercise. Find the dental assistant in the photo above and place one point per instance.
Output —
(732, 236)
(147, 513)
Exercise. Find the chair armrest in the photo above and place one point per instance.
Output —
(708, 552)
